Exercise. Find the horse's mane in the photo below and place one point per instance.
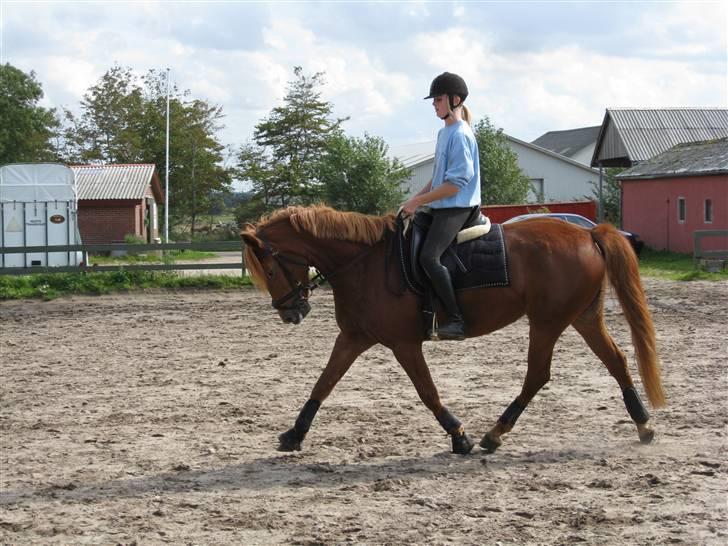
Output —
(322, 222)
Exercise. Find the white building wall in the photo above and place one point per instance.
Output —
(421, 175)
(562, 180)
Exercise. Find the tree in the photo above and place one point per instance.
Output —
(501, 179)
(611, 198)
(199, 175)
(26, 130)
(109, 129)
(282, 164)
(356, 175)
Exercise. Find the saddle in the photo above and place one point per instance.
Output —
(477, 258)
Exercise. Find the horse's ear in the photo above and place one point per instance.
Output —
(249, 237)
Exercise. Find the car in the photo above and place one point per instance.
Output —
(580, 221)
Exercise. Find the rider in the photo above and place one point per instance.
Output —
(451, 194)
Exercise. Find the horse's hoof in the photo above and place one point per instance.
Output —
(646, 433)
(289, 441)
(490, 444)
(462, 444)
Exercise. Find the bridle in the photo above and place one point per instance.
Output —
(299, 291)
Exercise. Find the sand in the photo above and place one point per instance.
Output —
(152, 418)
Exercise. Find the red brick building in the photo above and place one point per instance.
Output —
(118, 200)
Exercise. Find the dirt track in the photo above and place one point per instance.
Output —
(153, 418)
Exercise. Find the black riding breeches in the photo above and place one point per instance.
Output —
(445, 226)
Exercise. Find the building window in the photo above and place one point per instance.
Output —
(708, 217)
(680, 210)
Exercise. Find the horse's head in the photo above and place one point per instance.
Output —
(283, 273)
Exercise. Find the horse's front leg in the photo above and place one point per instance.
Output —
(413, 361)
(346, 350)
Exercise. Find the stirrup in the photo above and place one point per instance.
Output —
(450, 331)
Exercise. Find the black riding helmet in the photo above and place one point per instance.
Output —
(448, 84)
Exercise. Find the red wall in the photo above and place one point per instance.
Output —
(650, 209)
(108, 221)
(501, 213)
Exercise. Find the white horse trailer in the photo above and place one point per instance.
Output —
(38, 207)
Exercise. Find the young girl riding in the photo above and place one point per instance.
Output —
(451, 194)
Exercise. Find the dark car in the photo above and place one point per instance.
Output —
(580, 221)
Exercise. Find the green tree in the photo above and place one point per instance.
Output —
(110, 127)
(356, 175)
(501, 179)
(200, 175)
(26, 130)
(611, 202)
(282, 163)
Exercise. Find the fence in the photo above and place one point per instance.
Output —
(219, 246)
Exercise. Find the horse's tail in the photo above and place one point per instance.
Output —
(623, 273)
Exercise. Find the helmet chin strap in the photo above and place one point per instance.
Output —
(452, 107)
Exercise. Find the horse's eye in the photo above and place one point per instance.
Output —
(270, 274)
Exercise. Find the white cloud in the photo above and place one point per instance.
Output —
(241, 56)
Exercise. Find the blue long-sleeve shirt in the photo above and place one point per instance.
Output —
(457, 161)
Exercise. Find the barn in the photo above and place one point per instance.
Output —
(666, 195)
(116, 201)
(670, 196)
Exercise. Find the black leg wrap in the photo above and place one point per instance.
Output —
(448, 421)
(512, 413)
(305, 418)
(635, 407)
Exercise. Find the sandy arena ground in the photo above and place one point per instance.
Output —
(152, 418)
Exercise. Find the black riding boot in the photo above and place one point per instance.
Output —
(454, 328)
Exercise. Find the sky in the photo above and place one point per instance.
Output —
(531, 67)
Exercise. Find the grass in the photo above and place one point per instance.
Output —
(53, 285)
(675, 266)
(171, 257)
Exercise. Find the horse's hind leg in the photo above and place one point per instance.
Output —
(591, 327)
(346, 350)
(540, 350)
(413, 361)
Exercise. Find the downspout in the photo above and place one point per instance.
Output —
(600, 210)
(667, 224)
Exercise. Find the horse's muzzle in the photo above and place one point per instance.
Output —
(295, 314)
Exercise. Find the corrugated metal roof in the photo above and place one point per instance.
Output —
(568, 142)
(637, 134)
(690, 159)
(113, 181)
(411, 155)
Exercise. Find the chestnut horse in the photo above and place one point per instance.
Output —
(558, 273)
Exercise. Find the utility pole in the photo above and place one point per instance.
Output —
(166, 174)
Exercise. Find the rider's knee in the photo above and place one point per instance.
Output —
(429, 262)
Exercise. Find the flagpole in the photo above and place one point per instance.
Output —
(166, 175)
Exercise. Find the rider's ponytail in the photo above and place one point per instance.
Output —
(467, 116)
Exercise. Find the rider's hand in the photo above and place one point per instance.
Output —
(410, 206)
